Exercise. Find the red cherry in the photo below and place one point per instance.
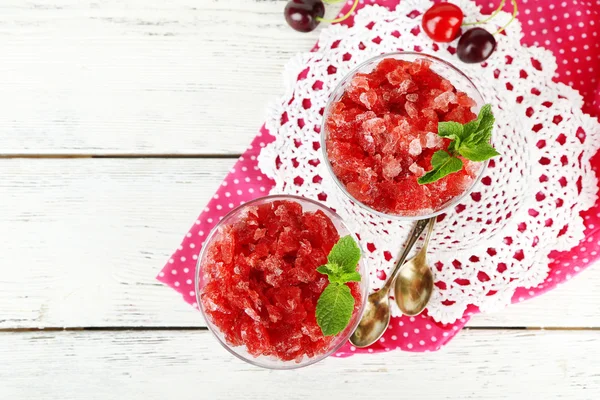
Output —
(303, 15)
(442, 22)
(475, 46)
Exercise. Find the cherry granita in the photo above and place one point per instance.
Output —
(262, 283)
(382, 133)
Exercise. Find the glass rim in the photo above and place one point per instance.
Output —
(340, 185)
(285, 365)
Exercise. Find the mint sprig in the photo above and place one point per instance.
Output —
(336, 303)
(471, 141)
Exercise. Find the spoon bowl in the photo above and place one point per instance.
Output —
(413, 287)
(374, 321)
(414, 284)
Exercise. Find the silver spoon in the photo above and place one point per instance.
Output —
(376, 316)
(414, 283)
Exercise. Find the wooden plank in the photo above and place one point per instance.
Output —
(185, 365)
(139, 77)
(83, 239)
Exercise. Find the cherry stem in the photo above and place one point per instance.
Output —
(496, 11)
(340, 19)
(514, 15)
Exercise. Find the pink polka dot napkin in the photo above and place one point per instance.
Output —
(570, 29)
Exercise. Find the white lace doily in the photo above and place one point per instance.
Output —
(526, 205)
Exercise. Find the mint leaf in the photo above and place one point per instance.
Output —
(443, 164)
(481, 152)
(469, 128)
(345, 277)
(331, 270)
(486, 119)
(345, 253)
(450, 130)
(334, 309)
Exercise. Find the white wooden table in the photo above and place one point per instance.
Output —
(118, 120)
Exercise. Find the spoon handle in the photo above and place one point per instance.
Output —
(412, 239)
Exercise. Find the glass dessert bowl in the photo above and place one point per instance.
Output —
(257, 284)
(380, 130)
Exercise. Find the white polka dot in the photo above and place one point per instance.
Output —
(192, 293)
(405, 334)
(427, 326)
(219, 207)
(227, 194)
(400, 323)
(182, 259)
(239, 192)
(236, 181)
(394, 337)
(422, 342)
(186, 270)
(201, 233)
(176, 284)
(521, 298)
(417, 330)
(412, 319)
(259, 178)
(209, 220)
(262, 189)
(410, 346)
(197, 222)
(224, 183)
(370, 350)
(247, 179)
(382, 340)
(433, 339)
(194, 257)
(230, 205)
(250, 190)
(445, 334)
(189, 281)
(174, 271)
(171, 261)
(531, 292)
(455, 328)
(161, 274)
(352, 348)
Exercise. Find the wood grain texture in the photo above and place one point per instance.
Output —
(140, 77)
(83, 239)
(190, 365)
